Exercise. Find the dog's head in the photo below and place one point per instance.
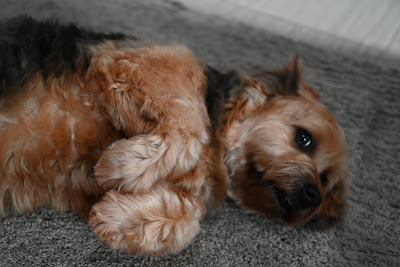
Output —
(285, 151)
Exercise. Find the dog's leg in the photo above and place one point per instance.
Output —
(155, 97)
(162, 220)
(135, 164)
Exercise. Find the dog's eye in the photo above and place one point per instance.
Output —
(304, 141)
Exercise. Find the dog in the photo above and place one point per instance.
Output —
(143, 139)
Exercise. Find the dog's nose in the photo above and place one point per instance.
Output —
(312, 196)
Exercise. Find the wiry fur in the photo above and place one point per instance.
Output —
(143, 140)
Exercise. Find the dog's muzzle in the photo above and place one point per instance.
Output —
(308, 196)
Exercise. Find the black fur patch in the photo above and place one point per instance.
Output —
(219, 88)
(284, 81)
(28, 46)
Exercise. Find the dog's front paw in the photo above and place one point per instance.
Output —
(163, 220)
(133, 164)
(136, 164)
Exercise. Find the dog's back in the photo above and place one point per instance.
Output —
(29, 47)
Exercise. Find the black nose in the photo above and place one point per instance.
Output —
(311, 197)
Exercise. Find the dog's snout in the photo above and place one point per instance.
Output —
(312, 196)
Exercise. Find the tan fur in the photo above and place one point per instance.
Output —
(165, 124)
(48, 148)
(129, 144)
(163, 219)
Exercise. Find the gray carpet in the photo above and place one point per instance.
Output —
(363, 96)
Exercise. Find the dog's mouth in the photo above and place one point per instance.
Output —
(283, 199)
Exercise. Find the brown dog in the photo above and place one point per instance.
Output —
(143, 140)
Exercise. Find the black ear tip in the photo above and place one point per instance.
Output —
(294, 75)
(295, 64)
(288, 80)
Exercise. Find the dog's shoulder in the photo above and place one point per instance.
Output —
(28, 46)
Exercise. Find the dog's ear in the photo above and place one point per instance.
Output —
(289, 80)
(251, 96)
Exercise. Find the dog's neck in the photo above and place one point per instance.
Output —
(220, 87)
(220, 90)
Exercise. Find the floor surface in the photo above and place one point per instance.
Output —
(369, 28)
